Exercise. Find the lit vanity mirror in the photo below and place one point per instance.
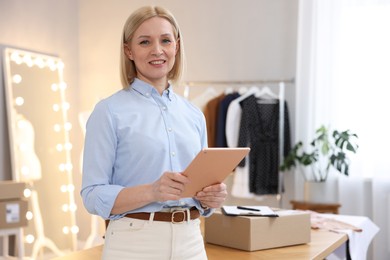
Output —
(40, 149)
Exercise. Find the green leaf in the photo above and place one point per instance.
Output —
(332, 148)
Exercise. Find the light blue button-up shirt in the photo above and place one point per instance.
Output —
(133, 137)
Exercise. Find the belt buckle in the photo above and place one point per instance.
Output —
(173, 217)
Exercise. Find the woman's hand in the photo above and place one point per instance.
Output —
(169, 186)
(212, 196)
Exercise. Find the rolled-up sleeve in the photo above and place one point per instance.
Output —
(98, 192)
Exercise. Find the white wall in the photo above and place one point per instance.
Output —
(224, 40)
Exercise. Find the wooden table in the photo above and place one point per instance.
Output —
(322, 244)
(316, 206)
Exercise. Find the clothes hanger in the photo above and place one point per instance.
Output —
(207, 93)
(252, 90)
(266, 96)
(228, 90)
(266, 92)
(210, 91)
(242, 90)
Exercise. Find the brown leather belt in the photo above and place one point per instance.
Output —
(177, 216)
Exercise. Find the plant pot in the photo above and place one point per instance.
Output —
(322, 192)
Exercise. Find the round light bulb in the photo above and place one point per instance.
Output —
(15, 56)
(51, 64)
(72, 207)
(27, 193)
(59, 147)
(57, 128)
(64, 188)
(65, 230)
(68, 126)
(54, 87)
(65, 208)
(68, 166)
(19, 101)
(68, 146)
(29, 239)
(60, 65)
(17, 79)
(71, 187)
(61, 167)
(39, 62)
(56, 107)
(63, 85)
(29, 215)
(65, 106)
(28, 60)
(75, 229)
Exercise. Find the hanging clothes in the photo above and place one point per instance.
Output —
(259, 129)
(221, 119)
(233, 118)
(240, 185)
(211, 113)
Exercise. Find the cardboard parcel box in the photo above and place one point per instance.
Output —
(257, 233)
(11, 190)
(13, 213)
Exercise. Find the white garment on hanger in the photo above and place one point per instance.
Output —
(233, 118)
(232, 127)
(240, 186)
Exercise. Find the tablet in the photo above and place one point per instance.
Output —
(211, 166)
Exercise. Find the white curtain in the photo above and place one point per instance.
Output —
(343, 81)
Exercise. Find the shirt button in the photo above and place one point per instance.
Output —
(164, 108)
(182, 203)
(169, 129)
(147, 94)
(173, 153)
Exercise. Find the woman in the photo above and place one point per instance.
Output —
(138, 141)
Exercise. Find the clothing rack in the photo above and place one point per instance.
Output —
(239, 82)
(281, 83)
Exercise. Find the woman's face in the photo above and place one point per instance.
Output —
(153, 49)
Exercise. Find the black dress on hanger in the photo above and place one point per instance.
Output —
(259, 129)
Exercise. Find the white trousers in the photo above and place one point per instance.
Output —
(129, 238)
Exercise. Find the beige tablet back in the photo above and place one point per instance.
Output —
(212, 166)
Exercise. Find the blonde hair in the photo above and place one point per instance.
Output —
(128, 70)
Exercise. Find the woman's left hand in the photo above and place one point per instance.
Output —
(212, 196)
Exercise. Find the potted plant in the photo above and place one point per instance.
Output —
(326, 151)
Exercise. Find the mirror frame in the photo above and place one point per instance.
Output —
(55, 65)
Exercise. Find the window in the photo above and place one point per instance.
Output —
(361, 88)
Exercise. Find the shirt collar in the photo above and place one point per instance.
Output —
(146, 89)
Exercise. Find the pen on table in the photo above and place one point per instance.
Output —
(246, 208)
